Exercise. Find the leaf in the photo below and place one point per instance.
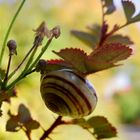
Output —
(129, 9)
(87, 38)
(82, 122)
(101, 58)
(32, 124)
(107, 56)
(119, 38)
(74, 56)
(109, 4)
(24, 114)
(102, 128)
(95, 29)
(12, 124)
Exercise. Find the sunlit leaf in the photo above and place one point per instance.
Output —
(107, 56)
(109, 4)
(103, 57)
(75, 57)
(102, 128)
(87, 38)
(119, 38)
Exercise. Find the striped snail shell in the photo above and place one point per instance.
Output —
(67, 93)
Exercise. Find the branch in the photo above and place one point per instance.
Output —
(57, 122)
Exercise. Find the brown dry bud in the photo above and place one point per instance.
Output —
(43, 30)
(12, 45)
(41, 65)
(56, 31)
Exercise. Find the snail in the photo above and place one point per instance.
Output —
(67, 93)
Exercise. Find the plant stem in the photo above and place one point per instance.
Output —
(41, 53)
(7, 71)
(25, 73)
(57, 122)
(26, 56)
(9, 29)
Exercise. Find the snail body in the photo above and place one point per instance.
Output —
(67, 93)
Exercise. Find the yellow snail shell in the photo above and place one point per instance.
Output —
(67, 93)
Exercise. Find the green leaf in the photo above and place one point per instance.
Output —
(102, 128)
(87, 38)
(119, 38)
(129, 9)
(82, 122)
(75, 57)
(109, 4)
(12, 124)
(32, 124)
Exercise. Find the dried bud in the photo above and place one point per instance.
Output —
(43, 31)
(41, 65)
(12, 47)
(56, 31)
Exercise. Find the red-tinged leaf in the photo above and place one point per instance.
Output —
(75, 57)
(89, 39)
(54, 64)
(110, 7)
(12, 124)
(129, 9)
(32, 124)
(107, 56)
(112, 52)
(24, 114)
(102, 128)
(119, 38)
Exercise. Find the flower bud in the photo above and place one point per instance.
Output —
(12, 45)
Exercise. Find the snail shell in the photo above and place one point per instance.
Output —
(67, 93)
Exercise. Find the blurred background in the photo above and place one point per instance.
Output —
(118, 89)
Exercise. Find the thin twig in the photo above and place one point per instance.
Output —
(57, 122)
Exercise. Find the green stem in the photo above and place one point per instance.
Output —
(41, 53)
(7, 71)
(23, 73)
(26, 56)
(9, 29)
